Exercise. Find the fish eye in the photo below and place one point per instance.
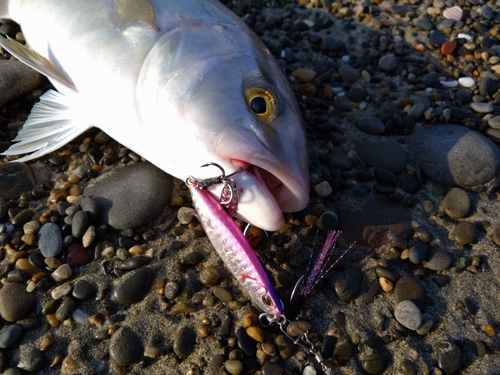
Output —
(267, 300)
(262, 103)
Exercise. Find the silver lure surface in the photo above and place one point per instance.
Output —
(178, 82)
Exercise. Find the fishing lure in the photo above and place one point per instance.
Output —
(240, 258)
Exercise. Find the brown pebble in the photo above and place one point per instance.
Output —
(256, 333)
(57, 360)
(182, 308)
(29, 239)
(307, 89)
(68, 365)
(489, 330)
(250, 319)
(297, 328)
(46, 343)
(203, 330)
(53, 320)
(311, 220)
(24, 265)
(386, 284)
(304, 75)
(448, 47)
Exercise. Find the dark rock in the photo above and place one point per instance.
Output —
(15, 178)
(125, 347)
(184, 342)
(132, 287)
(15, 302)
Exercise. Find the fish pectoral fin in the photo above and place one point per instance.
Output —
(36, 61)
(131, 12)
(53, 122)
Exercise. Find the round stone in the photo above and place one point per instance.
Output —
(456, 204)
(233, 366)
(453, 155)
(408, 288)
(131, 196)
(350, 75)
(494, 122)
(65, 311)
(32, 360)
(9, 334)
(125, 347)
(371, 125)
(482, 108)
(323, 189)
(132, 287)
(466, 82)
(449, 357)
(464, 233)
(346, 284)
(184, 342)
(439, 260)
(15, 178)
(418, 253)
(373, 363)
(50, 240)
(83, 290)
(408, 314)
(15, 302)
(448, 47)
(388, 62)
(62, 273)
(79, 224)
(387, 155)
(245, 343)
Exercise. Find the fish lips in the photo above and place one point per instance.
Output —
(275, 175)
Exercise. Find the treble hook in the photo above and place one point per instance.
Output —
(222, 179)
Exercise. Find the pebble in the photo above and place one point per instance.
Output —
(454, 13)
(62, 273)
(50, 240)
(66, 309)
(233, 366)
(387, 155)
(323, 189)
(32, 360)
(494, 122)
(132, 287)
(256, 333)
(456, 203)
(60, 291)
(125, 347)
(309, 370)
(304, 75)
(482, 108)
(185, 215)
(409, 288)
(16, 79)
(453, 155)
(351, 75)
(78, 255)
(8, 335)
(488, 86)
(466, 82)
(439, 260)
(116, 193)
(448, 47)
(272, 368)
(346, 284)
(15, 178)
(79, 224)
(184, 342)
(449, 357)
(408, 314)
(418, 253)
(370, 125)
(245, 343)
(371, 221)
(388, 62)
(15, 302)
(373, 363)
(464, 233)
(223, 294)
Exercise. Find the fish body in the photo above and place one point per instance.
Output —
(235, 251)
(178, 82)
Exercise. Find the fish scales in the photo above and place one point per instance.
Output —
(178, 82)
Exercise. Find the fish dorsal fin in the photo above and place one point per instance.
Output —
(54, 121)
(131, 12)
(36, 61)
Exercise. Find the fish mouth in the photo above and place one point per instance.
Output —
(271, 180)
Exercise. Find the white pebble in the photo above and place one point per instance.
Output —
(449, 83)
(362, 106)
(323, 189)
(466, 82)
(283, 54)
(464, 36)
(428, 89)
(63, 272)
(60, 291)
(345, 58)
(31, 286)
(309, 370)
(80, 317)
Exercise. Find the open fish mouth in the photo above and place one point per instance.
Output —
(264, 193)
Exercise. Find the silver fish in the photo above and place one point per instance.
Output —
(178, 82)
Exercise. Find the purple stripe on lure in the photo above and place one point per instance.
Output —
(235, 251)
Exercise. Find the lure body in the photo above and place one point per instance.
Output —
(235, 251)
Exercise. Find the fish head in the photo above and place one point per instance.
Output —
(233, 107)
